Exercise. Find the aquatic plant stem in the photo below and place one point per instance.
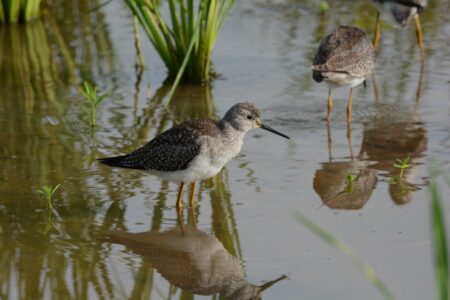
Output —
(137, 42)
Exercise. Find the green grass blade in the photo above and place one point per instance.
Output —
(439, 242)
(2, 13)
(342, 247)
(14, 11)
(183, 66)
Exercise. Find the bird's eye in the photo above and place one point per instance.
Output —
(249, 117)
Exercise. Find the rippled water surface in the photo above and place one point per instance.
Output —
(115, 233)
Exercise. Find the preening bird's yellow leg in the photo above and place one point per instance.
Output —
(330, 105)
(420, 38)
(191, 199)
(349, 107)
(180, 196)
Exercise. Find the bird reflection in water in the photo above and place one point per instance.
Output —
(344, 184)
(387, 137)
(385, 141)
(192, 260)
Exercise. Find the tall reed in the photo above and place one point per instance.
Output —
(190, 38)
(13, 11)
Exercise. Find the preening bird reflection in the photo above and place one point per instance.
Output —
(192, 260)
(387, 140)
(344, 184)
(392, 147)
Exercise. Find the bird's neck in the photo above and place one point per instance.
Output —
(231, 132)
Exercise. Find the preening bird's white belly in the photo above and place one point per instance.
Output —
(341, 79)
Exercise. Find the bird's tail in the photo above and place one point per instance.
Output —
(122, 161)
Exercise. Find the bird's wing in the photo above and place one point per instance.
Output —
(173, 150)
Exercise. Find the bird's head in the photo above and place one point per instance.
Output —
(245, 116)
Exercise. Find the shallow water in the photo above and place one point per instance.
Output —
(246, 233)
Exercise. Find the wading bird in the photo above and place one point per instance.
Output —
(194, 150)
(344, 58)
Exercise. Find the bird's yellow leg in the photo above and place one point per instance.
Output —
(349, 107)
(420, 38)
(192, 195)
(376, 91)
(349, 140)
(376, 35)
(180, 196)
(330, 142)
(330, 105)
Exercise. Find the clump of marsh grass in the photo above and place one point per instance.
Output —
(186, 45)
(90, 93)
(13, 11)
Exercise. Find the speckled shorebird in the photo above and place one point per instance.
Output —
(344, 58)
(402, 11)
(194, 150)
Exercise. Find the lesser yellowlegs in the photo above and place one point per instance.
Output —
(194, 150)
(402, 11)
(344, 58)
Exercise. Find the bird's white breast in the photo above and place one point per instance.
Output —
(215, 152)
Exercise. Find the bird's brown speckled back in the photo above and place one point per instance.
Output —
(347, 50)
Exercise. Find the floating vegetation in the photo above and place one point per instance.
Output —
(402, 165)
(350, 181)
(186, 46)
(90, 93)
(324, 7)
(13, 11)
(48, 191)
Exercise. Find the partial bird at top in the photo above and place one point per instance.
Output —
(402, 11)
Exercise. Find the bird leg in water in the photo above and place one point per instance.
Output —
(349, 140)
(420, 38)
(330, 105)
(349, 107)
(180, 196)
(376, 35)
(376, 91)
(191, 198)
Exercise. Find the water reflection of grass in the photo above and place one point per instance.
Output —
(38, 255)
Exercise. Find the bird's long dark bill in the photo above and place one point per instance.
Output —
(268, 128)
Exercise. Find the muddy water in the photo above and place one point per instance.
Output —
(116, 233)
